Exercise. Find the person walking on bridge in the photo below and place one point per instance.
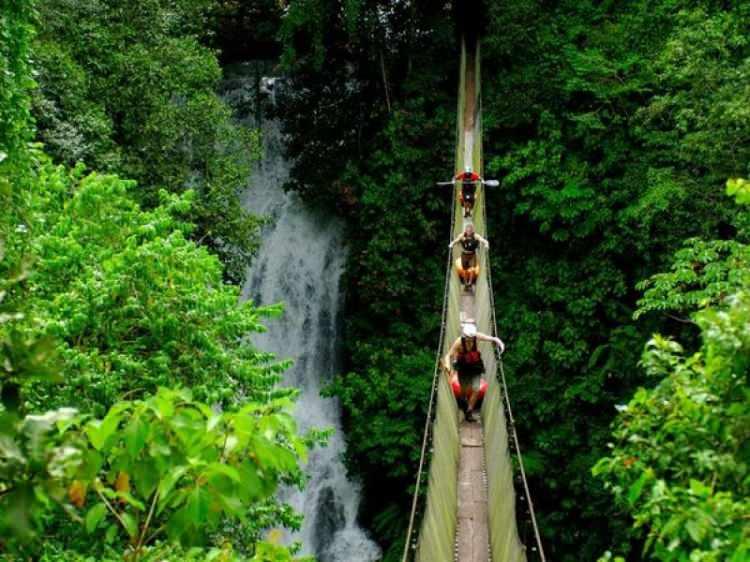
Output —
(469, 180)
(467, 266)
(464, 358)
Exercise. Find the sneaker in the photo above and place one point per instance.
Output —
(469, 416)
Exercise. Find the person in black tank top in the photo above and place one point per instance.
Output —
(464, 358)
(469, 241)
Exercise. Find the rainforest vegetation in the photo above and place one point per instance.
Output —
(138, 420)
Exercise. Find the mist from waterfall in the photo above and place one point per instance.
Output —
(300, 263)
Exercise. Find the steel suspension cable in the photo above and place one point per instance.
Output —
(508, 408)
(433, 392)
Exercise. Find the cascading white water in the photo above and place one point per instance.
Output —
(300, 263)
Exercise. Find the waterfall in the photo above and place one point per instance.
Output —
(300, 262)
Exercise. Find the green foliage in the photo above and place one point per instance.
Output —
(15, 81)
(130, 88)
(132, 303)
(702, 273)
(101, 301)
(680, 459)
(389, 442)
(601, 183)
(612, 127)
(171, 465)
(167, 552)
(124, 303)
(37, 461)
(37, 458)
(739, 188)
(305, 24)
(698, 113)
(15, 121)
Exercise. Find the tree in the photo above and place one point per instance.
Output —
(679, 461)
(37, 458)
(130, 87)
(101, 301)
(132, 303)
(169, 466)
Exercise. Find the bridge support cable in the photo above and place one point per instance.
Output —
(538, 548)
(429, 419)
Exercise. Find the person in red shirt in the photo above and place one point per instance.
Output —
(469, 181)
(464, 358)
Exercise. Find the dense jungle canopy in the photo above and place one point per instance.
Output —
(138, 420)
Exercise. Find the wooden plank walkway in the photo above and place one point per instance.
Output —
(472, 538)
(472, 533)
(472, 529)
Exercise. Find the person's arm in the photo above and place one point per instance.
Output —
(456, 241)
(497, 341)
(448, 358)
(482, 239)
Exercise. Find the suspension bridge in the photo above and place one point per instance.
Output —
(478, 507)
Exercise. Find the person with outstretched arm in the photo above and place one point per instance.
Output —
(468, 179)
(464, 358)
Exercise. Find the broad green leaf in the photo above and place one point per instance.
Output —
(167, 483)
(130, 500)
(234, 506)
(135, 436)
(131, 526)
(145, 477)
(100, 432)
(634, 492)
(95, 516)
(111, 533)
(226, 470)
(252, 487)
(696, 530)
(699, 488)
(197, 505)
(91, 465)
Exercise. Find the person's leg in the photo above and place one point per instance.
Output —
(469, 206)
(469, 264)
(466, 394)
(476, 380)
(467, 278)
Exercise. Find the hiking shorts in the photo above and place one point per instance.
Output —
(469, 376)
(469, 381)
